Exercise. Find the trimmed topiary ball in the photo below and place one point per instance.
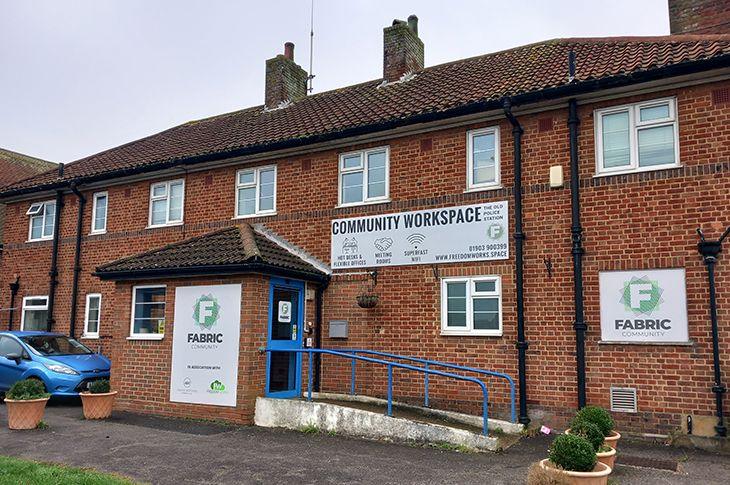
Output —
(597, 416)
(589, 431)
(572, 453)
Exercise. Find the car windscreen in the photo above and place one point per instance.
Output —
(49, 345)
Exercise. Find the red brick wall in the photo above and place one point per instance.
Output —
(631, 221)
(699, 16)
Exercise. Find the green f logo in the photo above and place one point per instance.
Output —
(205, 311)
(641, 295)
(495, 231)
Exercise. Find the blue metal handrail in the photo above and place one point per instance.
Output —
(390, 365)
(428, 363)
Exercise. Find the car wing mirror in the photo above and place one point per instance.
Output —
(14, 356)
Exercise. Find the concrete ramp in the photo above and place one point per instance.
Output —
(345, 419)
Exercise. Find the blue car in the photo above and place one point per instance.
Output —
(64, 365)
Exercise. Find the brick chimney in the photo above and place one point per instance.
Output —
(285, 80)
(699, 16)
(402, 49)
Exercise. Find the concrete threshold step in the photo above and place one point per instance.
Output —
(346, 418)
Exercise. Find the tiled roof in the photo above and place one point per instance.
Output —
(15, 167)
(527, 73)
(236, 249)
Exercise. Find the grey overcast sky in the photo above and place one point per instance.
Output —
(80, 76)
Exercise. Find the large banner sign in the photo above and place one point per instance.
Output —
(476, 232)
(205, 345)
(643, 306)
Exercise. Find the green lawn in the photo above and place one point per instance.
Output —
(14, 471)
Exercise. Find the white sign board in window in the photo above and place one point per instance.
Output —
(205, 345)
(476, 232)
(644, 306)
(285, 311)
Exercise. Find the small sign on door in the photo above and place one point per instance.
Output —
(285, 311)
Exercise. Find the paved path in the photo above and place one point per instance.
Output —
(165, 451)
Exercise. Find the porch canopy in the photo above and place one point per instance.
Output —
(238, 249)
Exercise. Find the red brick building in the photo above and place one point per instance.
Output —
(256, 198)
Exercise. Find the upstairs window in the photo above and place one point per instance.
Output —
(637, 137)
(93, 315)
(483, 158)
(148, 312)
(35, 313)
(256, 191)
(98, 213)
(364, 176)
(471, 306)
(42, 220)
(166, 203)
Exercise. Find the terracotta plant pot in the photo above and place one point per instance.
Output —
(607, 457)
(25, 414)
(367, 301)
(612, 440)
(599, 475)
(97, 406)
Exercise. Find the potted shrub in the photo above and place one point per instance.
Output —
(601, 418)
(593, 434)
(574, 458)
(26, 403)
(98, 400)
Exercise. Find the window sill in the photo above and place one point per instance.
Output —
(39, 240)
(367, 202)
(470, 334)
(637, 170)
(97, 233)
(146, 337)
(90, 337)
(160, 226)
(486, 188)
(252, 216)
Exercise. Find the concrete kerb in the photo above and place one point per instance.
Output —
(299, 414)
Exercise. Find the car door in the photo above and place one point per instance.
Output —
(10, 371)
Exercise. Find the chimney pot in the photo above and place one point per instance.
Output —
(289, 50)
(413, 23)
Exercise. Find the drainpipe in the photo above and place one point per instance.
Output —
(519, 237)
(77, 259)
(14, 287)
(53, 271)
(710, 250)
(576, 231)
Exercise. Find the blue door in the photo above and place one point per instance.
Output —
(286, 318)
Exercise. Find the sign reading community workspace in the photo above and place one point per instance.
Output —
(205, 345)
(643, 306)
(476, 232)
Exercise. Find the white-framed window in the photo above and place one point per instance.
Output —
(35, 313)
(42, 220)
(98, 212)
(637, 137)
(364, 176)
(256, 191)
(471, 306)
(93, 315)
(167, 200)
(482, 158)
(148, 312)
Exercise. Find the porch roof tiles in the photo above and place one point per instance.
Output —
(236, 249)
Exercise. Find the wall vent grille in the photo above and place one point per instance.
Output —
(623, 399)
(720, 96)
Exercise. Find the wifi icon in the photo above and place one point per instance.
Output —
(416, 239)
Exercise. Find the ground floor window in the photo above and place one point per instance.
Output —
(35, 313)
(148, 312)
(471, 306)
(93, 315)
